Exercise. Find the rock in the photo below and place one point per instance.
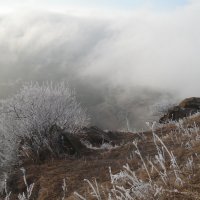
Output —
(186, 108)
(191, 103)
(97, 137)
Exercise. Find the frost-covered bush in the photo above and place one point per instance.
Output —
(159, 109)
(34, 117)
(8, 147)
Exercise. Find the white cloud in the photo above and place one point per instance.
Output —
(158, 50)
(139, 49)
(145, 47)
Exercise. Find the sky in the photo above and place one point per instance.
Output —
(122, 5)
(120, 56)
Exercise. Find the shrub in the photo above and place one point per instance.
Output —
(36, 116)
(159, 109)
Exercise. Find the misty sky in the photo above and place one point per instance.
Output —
(114, 52)
(111, 4)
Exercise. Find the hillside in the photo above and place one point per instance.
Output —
(173, 173)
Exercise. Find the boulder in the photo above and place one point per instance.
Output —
(191, 103)
(186, 108)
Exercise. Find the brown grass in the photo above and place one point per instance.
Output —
(48, 175)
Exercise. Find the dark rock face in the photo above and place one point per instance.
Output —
(97, 137)
(191, 103)
(186, 108)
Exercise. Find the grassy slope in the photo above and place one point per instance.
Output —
(48, 175)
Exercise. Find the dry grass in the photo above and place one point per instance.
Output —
(180, 138)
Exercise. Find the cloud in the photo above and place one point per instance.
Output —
(158, 50)
(119, 65)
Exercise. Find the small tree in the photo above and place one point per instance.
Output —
(34, 117)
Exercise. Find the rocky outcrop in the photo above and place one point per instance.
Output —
(191, 103)
(186, 108)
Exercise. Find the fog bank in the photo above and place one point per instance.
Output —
(119, 65)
